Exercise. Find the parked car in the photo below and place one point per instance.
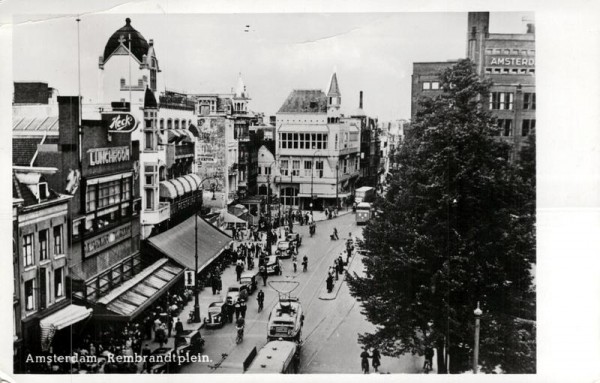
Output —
(190, 343)
(272, 264)
(214, 316)
(248, 279)
(295, 237)
(284, 249)
(234, 292)
(162, 365)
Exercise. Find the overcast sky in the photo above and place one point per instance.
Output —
(202, 53)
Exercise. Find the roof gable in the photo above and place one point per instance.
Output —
(305, 101)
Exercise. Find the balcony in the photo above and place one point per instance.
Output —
(153, 217)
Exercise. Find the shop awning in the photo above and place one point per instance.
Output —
(178, 186)
(178, 243)
(188, 185)
(64, 317)
(167, 190)
(195, 177)
(230, 218)
(174, 135)
(187, 136)
(135, 295)
(192, 181)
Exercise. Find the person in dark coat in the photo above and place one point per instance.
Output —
(214, 284)
(243, 308)
(329, 283)
(264, 274)
(238, 271)
(227, 312)
(146, 352)
(178, 328)
(364, 361)
(169, 325)
(376, 359)
(219, 284)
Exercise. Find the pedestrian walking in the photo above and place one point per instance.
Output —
(279, 267)
(304, 263)
(146, 352)
(157, 324)
(238, 271)
(329, 283)
(178, 328)
(214, 284)
(428, 365)
(295, 263)
(376, 359)
(243, 308)
(169, 325)
(238, 309)
(364, 361)
(219, 284)
(260, 298)
(263, 274)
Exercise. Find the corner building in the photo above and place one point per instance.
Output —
(508, 60)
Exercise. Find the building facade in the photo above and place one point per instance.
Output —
(318, 152)
(508, 60)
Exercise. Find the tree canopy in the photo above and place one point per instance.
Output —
(457, 228)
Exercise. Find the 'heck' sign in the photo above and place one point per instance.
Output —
(119, 122)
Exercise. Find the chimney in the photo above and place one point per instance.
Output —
(360, 103)
(68, 120)
(531, 28)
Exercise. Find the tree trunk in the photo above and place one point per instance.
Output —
(441, 360)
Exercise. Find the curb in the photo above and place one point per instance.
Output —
(333, 295)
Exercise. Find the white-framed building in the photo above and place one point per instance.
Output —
(318, 151)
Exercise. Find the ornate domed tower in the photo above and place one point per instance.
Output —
(240, 97)
(129, 66)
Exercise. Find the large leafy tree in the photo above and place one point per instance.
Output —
(457, 228)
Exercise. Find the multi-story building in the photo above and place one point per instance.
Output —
(318, 152)
(371, 165)
(508, 60)
(130, 78)
(42, 264)
(224, 122)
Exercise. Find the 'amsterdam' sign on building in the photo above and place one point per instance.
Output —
(511, 61)
(119, 122)
(103, 156)
(94, 245)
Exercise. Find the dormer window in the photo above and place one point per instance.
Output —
(43, 193)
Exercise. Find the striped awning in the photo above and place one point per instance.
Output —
(192, 181)
(174, 135)
(187, 136)
(65, 317)
(167, 190)
(179, 186)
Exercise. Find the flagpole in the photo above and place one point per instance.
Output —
(130, 104)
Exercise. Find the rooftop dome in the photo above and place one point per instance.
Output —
(139, 45)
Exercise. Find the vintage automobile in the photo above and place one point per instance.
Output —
(248, 279)
(234, 292)
(272, 264)
(284, 249)
(165, 362)
(189, 343)
(286, 320)
(214, 316)
(295, 237)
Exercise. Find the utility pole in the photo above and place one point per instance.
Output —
(336, 184)
(196, 292)
(269, 234)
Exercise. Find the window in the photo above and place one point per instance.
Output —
(29, 297)
(527, 127)
(345, 166)
(426, 85)
(532, 71)
(109, 193)
(259, 170)
(126, 189)
(515, 51)
(435, 85)
(514, 71)
(169, 124)
(505, 126)
(149, 199)
(488, 70)
(267, 170)
(43, 237)
(319, 168)
(524, 52)
(58, 239)
(28, 250)
(162, 124)
(497, 70)
(506, 71)
(176, 126)
(497, 51)
(296, 167)
(122, 83)
(149, 140)
(307, 168)
(523, 70)
(284, 167)
(336, 141)
(529, 101)
(501, 100)
(59, 283)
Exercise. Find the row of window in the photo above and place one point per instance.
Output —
(30, 287)
(106, 194)
(303, 140)
(509, 70)
(506, 127)
(431, 85)
(43, 246)
(506, 51)
(174, 123)
(505, 101)
(295, 171)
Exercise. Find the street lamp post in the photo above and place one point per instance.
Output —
(269, 234)
(477, 313)
(196, 301)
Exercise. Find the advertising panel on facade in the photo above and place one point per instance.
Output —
(119, 122)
